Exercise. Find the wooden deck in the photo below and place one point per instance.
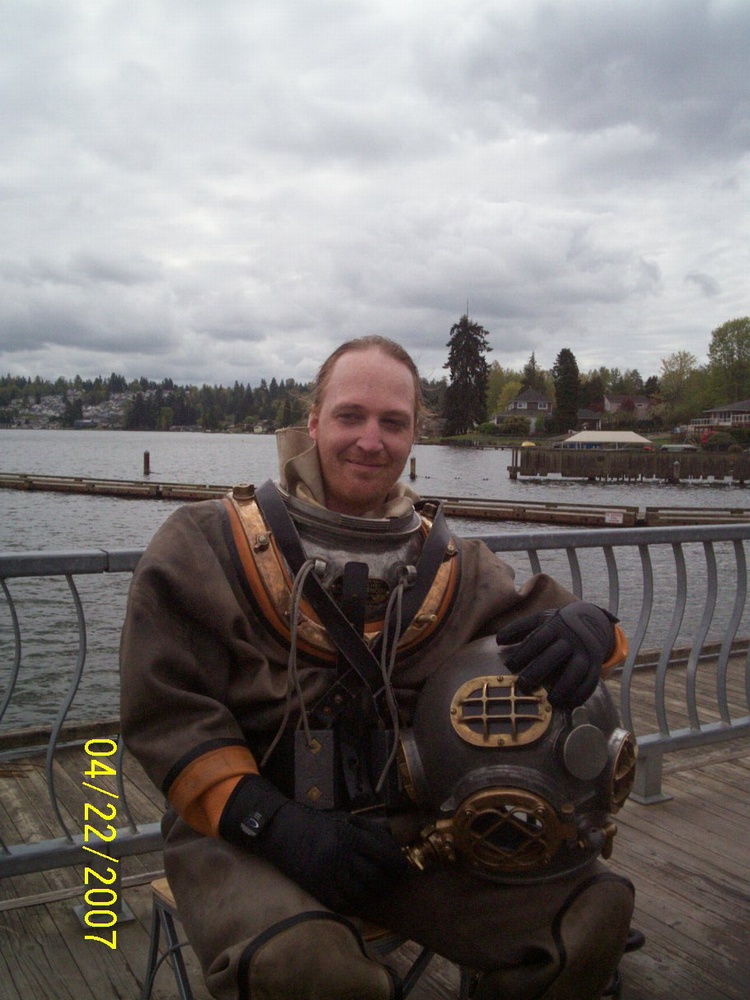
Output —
(688, 857)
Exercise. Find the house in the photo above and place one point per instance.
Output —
(641, 405)
(533, 405)
(725, 418)
(530, 402)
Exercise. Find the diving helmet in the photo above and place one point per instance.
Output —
(508, 785)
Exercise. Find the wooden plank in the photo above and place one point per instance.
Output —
(39, 962)
(38, 736)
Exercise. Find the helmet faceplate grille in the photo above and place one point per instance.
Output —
(507, 830)
(490, 712)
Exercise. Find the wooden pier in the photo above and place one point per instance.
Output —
(487, 509)
(132, 489)
(688, 858)
(629, 466)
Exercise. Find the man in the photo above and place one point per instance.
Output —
(273, 631)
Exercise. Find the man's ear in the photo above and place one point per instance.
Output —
(312, 423)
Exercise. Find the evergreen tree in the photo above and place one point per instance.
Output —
(73, 411)
(567, 390)
(466, 395)
(592, 392)
(533, 376)
(137, 415)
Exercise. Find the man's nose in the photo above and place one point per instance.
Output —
(370, 439)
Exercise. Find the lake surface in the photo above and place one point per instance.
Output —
(59, 522)
(56, 521)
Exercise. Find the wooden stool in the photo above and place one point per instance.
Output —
(164, 913)
(163, 916)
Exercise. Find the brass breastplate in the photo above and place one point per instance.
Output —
(271, 581)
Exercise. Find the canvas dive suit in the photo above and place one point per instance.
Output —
(206, 690)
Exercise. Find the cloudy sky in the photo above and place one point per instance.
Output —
(225, 190)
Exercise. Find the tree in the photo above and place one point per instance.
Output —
(729, 359)
(567, 390)
(678, 372)
(510, 390)
(592, 391)
(73, 411)
(495, 382)
(284, 413)
(166, 418)
(503, 385)
(466, 396)
(137, 414)
(632, 383)
(533, 376)
(210, 408)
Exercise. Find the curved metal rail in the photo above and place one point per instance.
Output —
(675, 587)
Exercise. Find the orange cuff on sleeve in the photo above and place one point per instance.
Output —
(619, 653)
(201, 790)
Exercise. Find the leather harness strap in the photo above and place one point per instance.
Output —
(360, 657)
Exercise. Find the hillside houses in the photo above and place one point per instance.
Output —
(535, 406)
(49, 410)
(638, 405)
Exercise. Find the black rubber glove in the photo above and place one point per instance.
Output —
(338, 858)
(561, 649)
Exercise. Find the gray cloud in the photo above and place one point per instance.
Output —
(708, 285)
(225, 191)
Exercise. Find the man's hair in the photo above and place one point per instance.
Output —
(386, 346)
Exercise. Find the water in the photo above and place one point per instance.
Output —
(55, 521)
(59, 522)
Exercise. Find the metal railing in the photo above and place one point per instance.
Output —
(687, 595)
(680, 593)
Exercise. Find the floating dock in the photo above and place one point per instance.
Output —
(125, 488)
(625, 465)
(533, 512)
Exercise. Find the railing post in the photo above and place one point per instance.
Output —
(647, 789)
(118, 907)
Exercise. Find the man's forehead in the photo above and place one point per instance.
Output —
(360, 371)
(356, 404)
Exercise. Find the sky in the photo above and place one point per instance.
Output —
(220, 192)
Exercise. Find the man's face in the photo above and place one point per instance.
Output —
(364, 429)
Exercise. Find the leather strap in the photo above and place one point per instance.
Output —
(432, 555)
(352, 646)
(362, 659)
